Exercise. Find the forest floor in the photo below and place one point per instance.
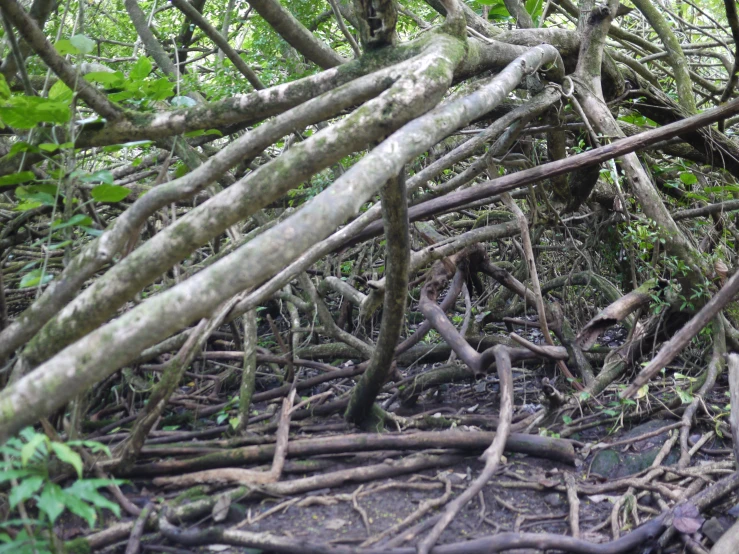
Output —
(527, 494)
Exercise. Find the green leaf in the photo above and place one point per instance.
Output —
(58, 245)
(567, 420)
(181, 170)
(35, 194)
(83, 44)
(584, 395)
(51, 501)
(4, 88)
(25, 206)
(159, 89)
(21, 146)
(120, 96)
(68, 456)
(17, 178)
(113, 79)
(182, 102)
(30, 448)
(61, 92)
(688, 178)
(34, 278)
(92, 232)
(8, 474)
(498, 13)
(93, 446)
(102, 176)
(140, 70)
(65, 46)
(685, 396)
(109, 193)
(80, 508)
(25, 490)
(87, 490)
(77, 220)
(535, 8)
(25, 112)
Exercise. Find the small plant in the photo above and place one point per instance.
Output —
(26, 462)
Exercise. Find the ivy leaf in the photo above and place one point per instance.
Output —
(109, 193)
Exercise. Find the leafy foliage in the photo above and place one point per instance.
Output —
(27, 463)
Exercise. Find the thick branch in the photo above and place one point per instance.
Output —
(675, 54)
(397, 260)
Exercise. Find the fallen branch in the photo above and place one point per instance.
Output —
(560, 450)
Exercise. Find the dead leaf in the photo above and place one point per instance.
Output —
(687, 518)
(335, 524)
(597, 498)
(221, 507)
